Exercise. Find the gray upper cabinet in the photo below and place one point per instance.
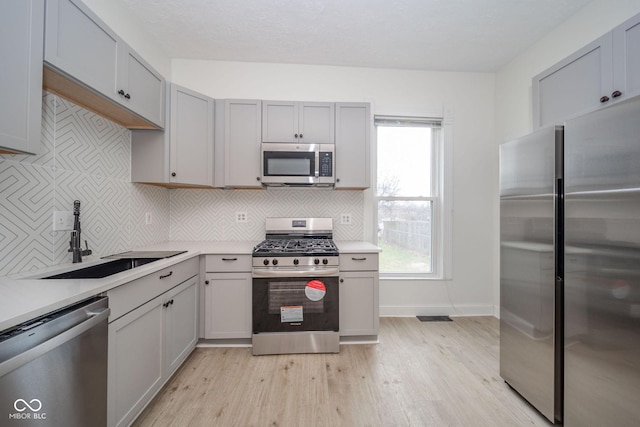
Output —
(308, 122)
(626, 56)
(183, 154)
(604, 72)
(140, 87)
(21, 49)
(242, 119)
(353, 126)
(81, 47)
(574, 85)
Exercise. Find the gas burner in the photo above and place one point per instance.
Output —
(299, 247)
(297, 242)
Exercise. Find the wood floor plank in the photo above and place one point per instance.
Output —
(420, 374)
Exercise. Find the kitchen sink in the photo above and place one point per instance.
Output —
(103, 270)
(121, 262)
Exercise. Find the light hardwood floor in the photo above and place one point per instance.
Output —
(420, 374)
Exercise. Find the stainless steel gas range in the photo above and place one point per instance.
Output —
(295, 288)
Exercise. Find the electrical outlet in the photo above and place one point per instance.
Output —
(62, 220)
(241, 217)
(345, 219)
(147, 218)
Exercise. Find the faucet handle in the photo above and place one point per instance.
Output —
(87, 251)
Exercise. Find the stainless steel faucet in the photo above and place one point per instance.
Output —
(76, 239)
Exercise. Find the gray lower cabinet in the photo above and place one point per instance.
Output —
(79, 46)
(242, 132)
(21, 49)
(181, 324)
(359, 301)
(227, 294)
(182, 154)
(353, 155)
(136, 347)
(152, 329)
(605, 71)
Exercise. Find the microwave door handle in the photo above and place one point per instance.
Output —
(317, 166)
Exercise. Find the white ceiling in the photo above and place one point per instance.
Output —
(447, 35)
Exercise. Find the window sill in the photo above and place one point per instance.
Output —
(410, 277)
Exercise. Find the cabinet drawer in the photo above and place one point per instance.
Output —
(228, 263)
(125, 298)
(359, 262)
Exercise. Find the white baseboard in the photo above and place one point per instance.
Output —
(445, 310)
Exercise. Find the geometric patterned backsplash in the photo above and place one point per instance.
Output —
(87, 157)
(84, 157)
(211, 214)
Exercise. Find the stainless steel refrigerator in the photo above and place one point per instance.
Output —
(602, 268)
(531, 255)
(570, 313)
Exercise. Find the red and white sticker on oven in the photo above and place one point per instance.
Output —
(315, 290)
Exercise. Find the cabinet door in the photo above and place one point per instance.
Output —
(279, 121)
(626, 58)
(316, 123)
(21, 47)
(79, 44)
(140, 87)
(136, 342)
(353, 126)
(359, 303)
(181, 320)
(191, 136)
(242, 132)
(228, 305)
(575, 85)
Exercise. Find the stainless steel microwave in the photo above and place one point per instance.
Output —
(298, 164)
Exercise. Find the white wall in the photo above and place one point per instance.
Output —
(513, 82)
(468, 97)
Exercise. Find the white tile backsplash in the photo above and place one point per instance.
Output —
(84, 157)
(211, 214)
(87, 157)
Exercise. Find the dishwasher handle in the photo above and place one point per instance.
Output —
(94, 317)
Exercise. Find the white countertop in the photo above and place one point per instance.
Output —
(356, 246)
(25, 297)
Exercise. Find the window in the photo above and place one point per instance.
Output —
(409, 195)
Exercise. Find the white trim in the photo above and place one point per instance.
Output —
(442, 249)
(437, 310)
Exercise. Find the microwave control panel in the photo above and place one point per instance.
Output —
(326, 163)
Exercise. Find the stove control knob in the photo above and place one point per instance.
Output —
(265, 262)
(325, 261)
(274, 262)
(296, 262)
(316, 261)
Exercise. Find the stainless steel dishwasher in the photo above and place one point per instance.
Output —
(53, 369)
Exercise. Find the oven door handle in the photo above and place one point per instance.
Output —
(296, 273)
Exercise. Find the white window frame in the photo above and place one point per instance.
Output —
(442, 203)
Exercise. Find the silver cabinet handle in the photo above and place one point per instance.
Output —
(359, 259)
(229, 259)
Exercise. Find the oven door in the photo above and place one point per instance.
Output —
(295, 304)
